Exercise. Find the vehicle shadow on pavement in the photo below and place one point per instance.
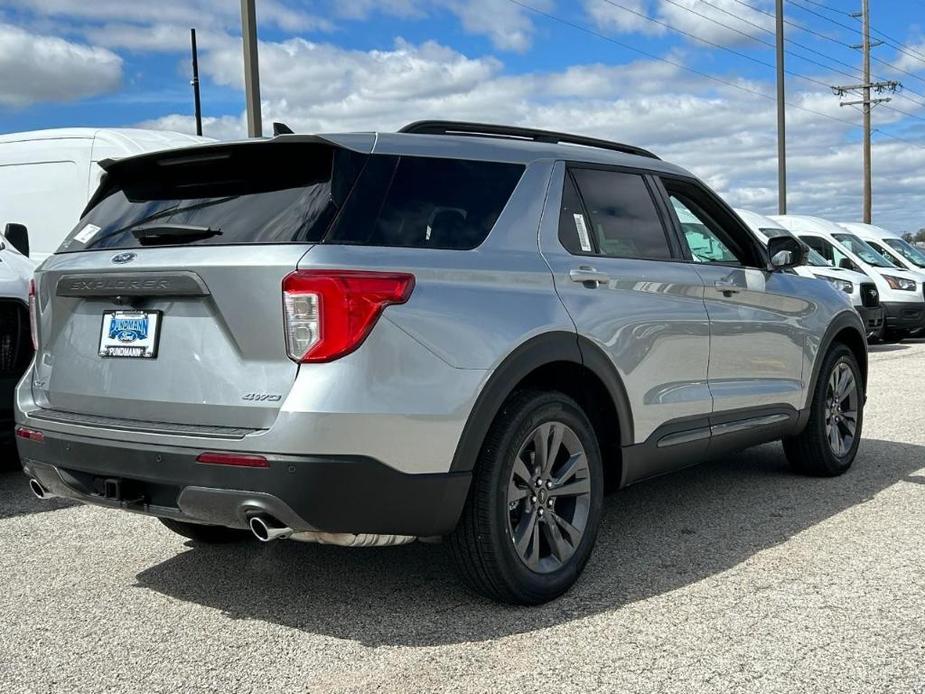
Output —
(17, 500)
(655, 537)
(877, 349)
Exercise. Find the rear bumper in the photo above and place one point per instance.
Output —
(873, 318)
(326, 493)
(904, 316)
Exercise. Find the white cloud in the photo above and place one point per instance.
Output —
(720, 21)
(313, 73)
(725, 22)
(509, 26)
(163, 25)
(36, 68)
(726, 136)
(911, 58)
(213, 14)
(626, 19)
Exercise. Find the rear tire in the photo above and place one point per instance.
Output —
(539, 479)
(207, 534)
(829, 443)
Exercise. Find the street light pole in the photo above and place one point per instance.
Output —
(251, 71)
(197, 104)
(781, 116)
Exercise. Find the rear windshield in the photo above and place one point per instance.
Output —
(299, 193)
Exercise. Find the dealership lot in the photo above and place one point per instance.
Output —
(731, 576)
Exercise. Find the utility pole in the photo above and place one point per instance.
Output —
(781, 116)
(197, 105)
(251, 73)
(866, 102)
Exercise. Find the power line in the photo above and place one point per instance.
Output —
(770, 31)
(800, 27)
(707, 42)
(893, 42)
(673, 63)
(853, 75)
(795, 25)
(826, 7)
(842, 43)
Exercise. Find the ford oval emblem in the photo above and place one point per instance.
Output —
(123, 258)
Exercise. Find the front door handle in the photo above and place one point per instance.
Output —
(587, 275)
(727, 287)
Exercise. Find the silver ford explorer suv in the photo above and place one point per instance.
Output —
(459, 330)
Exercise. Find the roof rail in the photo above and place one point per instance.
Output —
(445, 127)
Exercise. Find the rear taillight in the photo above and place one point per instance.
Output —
(328, 313)
(33, 315)
(30, 434)
(233, 459)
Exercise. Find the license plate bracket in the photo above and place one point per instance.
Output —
(130, 334)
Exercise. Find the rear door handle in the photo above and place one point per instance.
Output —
(727, 287)
(587, 274)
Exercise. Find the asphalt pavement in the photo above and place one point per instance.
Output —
(733, 576)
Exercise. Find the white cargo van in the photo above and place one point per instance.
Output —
(889, 244)
(15, 337)
(901, 291)
(862, 289)
(47, 176)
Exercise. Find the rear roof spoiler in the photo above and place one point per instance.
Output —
(215, 151)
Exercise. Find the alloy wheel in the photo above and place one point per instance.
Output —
(841, 409)
(549, 497)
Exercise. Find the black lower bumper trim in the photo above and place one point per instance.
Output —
(326, 493)
(904, 316)
(873, 317)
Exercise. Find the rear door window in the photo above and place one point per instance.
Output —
(622, 220)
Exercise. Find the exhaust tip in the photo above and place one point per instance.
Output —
(267, 529)
(37, 489)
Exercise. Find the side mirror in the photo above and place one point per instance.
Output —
(845, 264)
(785, 252)
(18, 236)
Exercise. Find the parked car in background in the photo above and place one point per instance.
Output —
(47, 176)
(890, 245)
(901, 291)
(15, 340)
(863, 291)
(455, 330)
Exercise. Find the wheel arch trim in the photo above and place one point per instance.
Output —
(539, 351)
(847, 321)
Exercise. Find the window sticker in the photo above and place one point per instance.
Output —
(87, 233)
(583, 239)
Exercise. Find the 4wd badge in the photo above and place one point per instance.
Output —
(262, 397)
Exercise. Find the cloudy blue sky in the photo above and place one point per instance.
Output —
(690, 79)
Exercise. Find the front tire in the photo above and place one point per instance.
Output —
(206, 534)
(531, 519)
(829, 443)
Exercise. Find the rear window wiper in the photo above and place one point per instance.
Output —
(160, 214)
(160, 234)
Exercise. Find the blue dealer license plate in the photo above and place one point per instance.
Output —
(130, 334)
